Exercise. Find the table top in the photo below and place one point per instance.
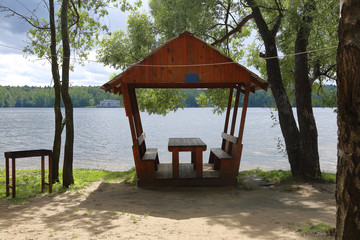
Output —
(186, 142)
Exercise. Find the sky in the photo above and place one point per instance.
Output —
(20, 69)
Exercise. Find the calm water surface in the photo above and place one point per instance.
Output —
(102, 136)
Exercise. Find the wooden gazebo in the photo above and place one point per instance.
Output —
(187, 62)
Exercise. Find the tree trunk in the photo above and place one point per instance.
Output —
(68, 178)
(286, 117)
(309, 166)
(57, 109)
(348, 100)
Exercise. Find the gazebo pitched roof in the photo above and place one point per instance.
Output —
(186, 62)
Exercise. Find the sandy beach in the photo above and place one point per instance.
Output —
(121, 211)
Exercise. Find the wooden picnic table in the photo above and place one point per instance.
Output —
(194, 145)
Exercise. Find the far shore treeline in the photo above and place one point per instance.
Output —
(90, 96)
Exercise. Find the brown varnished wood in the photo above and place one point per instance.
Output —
(25, 154)
(194, 145)
(166, 67)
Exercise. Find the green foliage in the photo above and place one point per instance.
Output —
(121, 49)
(44, 96)
(86, 23)
(28, 182)
(88, 96)
(160, 101)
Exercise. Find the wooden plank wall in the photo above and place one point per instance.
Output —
(186, 50)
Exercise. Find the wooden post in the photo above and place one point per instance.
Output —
(227, 116)
(175, 163)
(127, 104)
(129, 113)
(243, 114)
(13, 178)
(135, 111)
(7, 176)
(50, 172)
(42, 173)
(236, 106)
(241, 128)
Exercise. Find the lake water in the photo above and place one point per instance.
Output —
(102, 136)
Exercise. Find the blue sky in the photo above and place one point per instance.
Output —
(18, 69)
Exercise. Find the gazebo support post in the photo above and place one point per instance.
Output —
(227, 115)
(136, 112)
(242, 125)
(236, 106)
(129, 114)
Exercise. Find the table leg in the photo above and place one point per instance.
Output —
(42, 173)
(7, 176)
(50, 174)
(13, 178)
(199, 164)
(175, 164)
(193, 159)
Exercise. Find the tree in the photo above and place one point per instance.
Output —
(53, 39)
(348, 82)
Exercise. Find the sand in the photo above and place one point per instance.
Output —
(122, 211)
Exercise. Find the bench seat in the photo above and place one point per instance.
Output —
(150, 154)
(220, 154)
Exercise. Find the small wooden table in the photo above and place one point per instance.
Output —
(22, 154)
(194, 145)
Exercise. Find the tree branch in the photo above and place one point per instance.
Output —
(27, 19)
(236, 29)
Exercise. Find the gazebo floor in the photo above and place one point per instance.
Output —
(187, 177)
(186, 170)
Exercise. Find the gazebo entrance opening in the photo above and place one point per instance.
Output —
(187, 62)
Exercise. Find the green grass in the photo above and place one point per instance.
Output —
(328, 177)
(280, 176)
(277, 176)
(28, 182)
(316, 229)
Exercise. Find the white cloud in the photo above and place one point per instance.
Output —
(16, 70)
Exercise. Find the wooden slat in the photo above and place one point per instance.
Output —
(229, 138)
(141, 138)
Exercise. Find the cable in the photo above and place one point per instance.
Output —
(189, 65)
(299, 53)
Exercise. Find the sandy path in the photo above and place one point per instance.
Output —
(121, 211)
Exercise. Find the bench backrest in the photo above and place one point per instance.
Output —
(229, 144)
(142, 145)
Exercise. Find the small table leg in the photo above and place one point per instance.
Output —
(175, 164)
(42, 173)
(13, 178)
(50, 174)
(7, 176)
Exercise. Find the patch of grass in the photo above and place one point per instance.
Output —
(28, 182)
(277, 176)
(316, 229)
(280, 176)
(328, 177)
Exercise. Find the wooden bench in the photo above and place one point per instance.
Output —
(224, 158)
(147, 154)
